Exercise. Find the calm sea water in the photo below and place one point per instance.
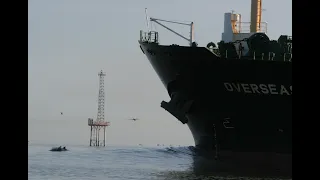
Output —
(121, 163)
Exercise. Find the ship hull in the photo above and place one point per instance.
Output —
(237, 105)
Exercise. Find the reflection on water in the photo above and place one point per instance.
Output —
(206, 167)
(189, 175)
(231, 165)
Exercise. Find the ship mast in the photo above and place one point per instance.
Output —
(255, 25)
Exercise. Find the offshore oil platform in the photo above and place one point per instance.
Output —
(98, 127)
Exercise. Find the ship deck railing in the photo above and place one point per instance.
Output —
(269, 57)
(149, 37)
(244, 27)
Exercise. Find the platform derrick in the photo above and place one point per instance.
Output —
(98, 127)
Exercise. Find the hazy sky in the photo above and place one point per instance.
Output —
(70, 41)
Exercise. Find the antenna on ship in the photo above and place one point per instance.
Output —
(147, 19)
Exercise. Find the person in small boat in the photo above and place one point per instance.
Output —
(64, 148)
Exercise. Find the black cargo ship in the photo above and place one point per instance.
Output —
(236, 96)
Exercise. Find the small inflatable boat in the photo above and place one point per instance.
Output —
(59, 149)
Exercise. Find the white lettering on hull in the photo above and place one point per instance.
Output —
(259, 88)
(226, 123)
